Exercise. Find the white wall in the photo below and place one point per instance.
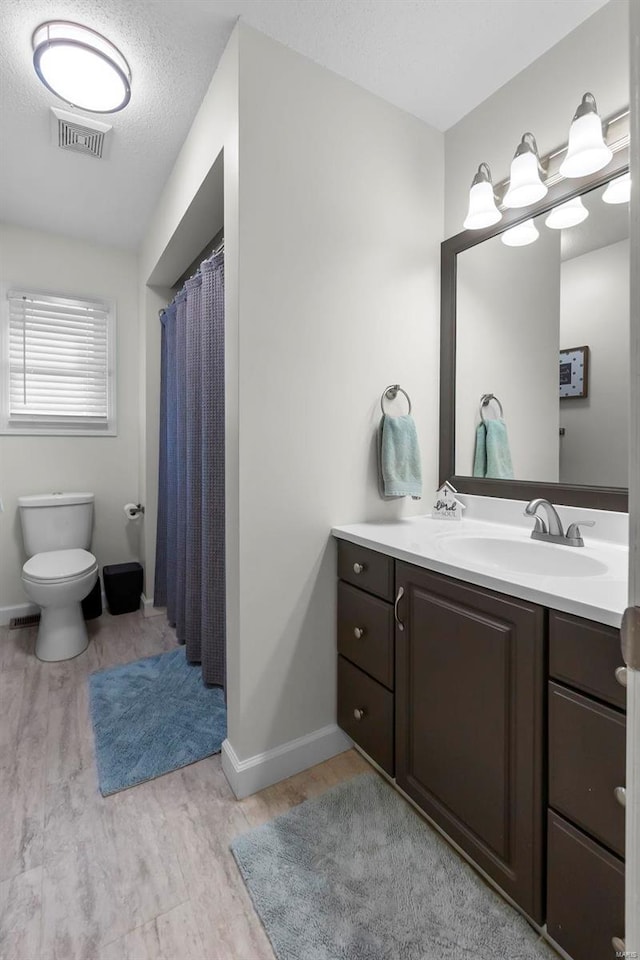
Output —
(542, 99)
(508, 318)
(106, 465)
(595, 311)
(341, 205)
(333, 221)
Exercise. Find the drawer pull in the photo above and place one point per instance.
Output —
(618, 945)
(621, 676)
(359, 567)
(621, 796)
(395, 608)
(359, 713)
(358, 632)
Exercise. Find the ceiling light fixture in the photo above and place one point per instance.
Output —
(568, 214)
(81, 67)
(618, 190)
(483, 211)
(525, 185)
(587, 152)
(520, 235)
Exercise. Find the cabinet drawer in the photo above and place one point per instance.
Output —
(365, 632)
(585, 893)
(374, 731)
(585, 655)
(586, 764)
(367, 569)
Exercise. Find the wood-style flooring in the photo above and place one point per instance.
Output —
(145, 874)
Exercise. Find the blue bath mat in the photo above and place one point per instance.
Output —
(151, 717)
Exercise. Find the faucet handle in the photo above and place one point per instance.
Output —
(539, 525)
(573, 532)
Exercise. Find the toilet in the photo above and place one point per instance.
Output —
(60, 571)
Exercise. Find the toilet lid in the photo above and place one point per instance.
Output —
(59, 564)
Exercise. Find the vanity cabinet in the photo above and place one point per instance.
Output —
(469, 723)
(586, 750)
(505, 723)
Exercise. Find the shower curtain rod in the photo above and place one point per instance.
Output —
(213, 253)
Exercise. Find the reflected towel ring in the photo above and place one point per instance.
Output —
(485, 400)
(391, 392)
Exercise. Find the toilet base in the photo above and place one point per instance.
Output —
(62, 633)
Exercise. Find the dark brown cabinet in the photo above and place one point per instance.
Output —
(521, 766)
(586, 750)
(469, 721)
(585, 893)
(366, 661)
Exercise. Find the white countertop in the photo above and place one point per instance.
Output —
(429, 543)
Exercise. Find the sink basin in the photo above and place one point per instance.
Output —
(523, 556)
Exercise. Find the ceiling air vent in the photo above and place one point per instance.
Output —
(81, 134)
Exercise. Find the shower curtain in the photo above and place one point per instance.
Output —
(190, 568)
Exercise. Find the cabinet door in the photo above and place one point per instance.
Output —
(469, 723)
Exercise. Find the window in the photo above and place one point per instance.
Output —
(58, 370)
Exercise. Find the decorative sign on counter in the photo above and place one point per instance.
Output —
(447, 506)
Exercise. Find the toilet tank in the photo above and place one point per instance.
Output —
(56, 521)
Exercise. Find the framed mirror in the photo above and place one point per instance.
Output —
(535, 336)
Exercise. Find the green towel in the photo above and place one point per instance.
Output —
(492, 457)
(399, 458)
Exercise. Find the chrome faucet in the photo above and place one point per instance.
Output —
(551, 529)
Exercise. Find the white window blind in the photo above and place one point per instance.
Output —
(59, 358)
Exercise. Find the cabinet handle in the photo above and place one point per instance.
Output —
(358, 632)
(395, 608)
(359, 567)
(618, 945)
(621, 796)
(621, 676)
(359, 713)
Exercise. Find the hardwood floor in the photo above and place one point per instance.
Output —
(145, 874)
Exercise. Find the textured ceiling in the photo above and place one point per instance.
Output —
(437, 59)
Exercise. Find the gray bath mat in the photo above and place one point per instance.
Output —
(356, 874)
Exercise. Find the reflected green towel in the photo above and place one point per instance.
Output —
(493, 456)
(399, 453)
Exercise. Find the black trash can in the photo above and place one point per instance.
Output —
(123, 586)
(92, 604)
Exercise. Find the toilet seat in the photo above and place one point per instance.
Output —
(59, 566)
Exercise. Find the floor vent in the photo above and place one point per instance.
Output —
(17, 623)
(79, 134)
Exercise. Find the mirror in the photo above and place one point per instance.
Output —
(537, 336)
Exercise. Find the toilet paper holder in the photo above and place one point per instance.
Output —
(133, 510)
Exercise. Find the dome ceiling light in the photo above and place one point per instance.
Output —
(81, 67)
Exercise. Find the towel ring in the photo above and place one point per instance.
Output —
(391, 392)
(485, 400)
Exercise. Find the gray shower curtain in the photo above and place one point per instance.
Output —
(190, 570)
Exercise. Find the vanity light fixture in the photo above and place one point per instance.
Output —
(618, 190)
(525, 185)
(520, 235)
(483, 211)
(587, 152)
(568, 214)
(81, 67)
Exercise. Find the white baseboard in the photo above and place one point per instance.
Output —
(249, 776)
(17, 610)
(148, 609)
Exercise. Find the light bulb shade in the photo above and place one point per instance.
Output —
(568, 214)
(525, 185)
(81, 67)
(483, 211)
(520, 235)
(587, 152)
(619, 190)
